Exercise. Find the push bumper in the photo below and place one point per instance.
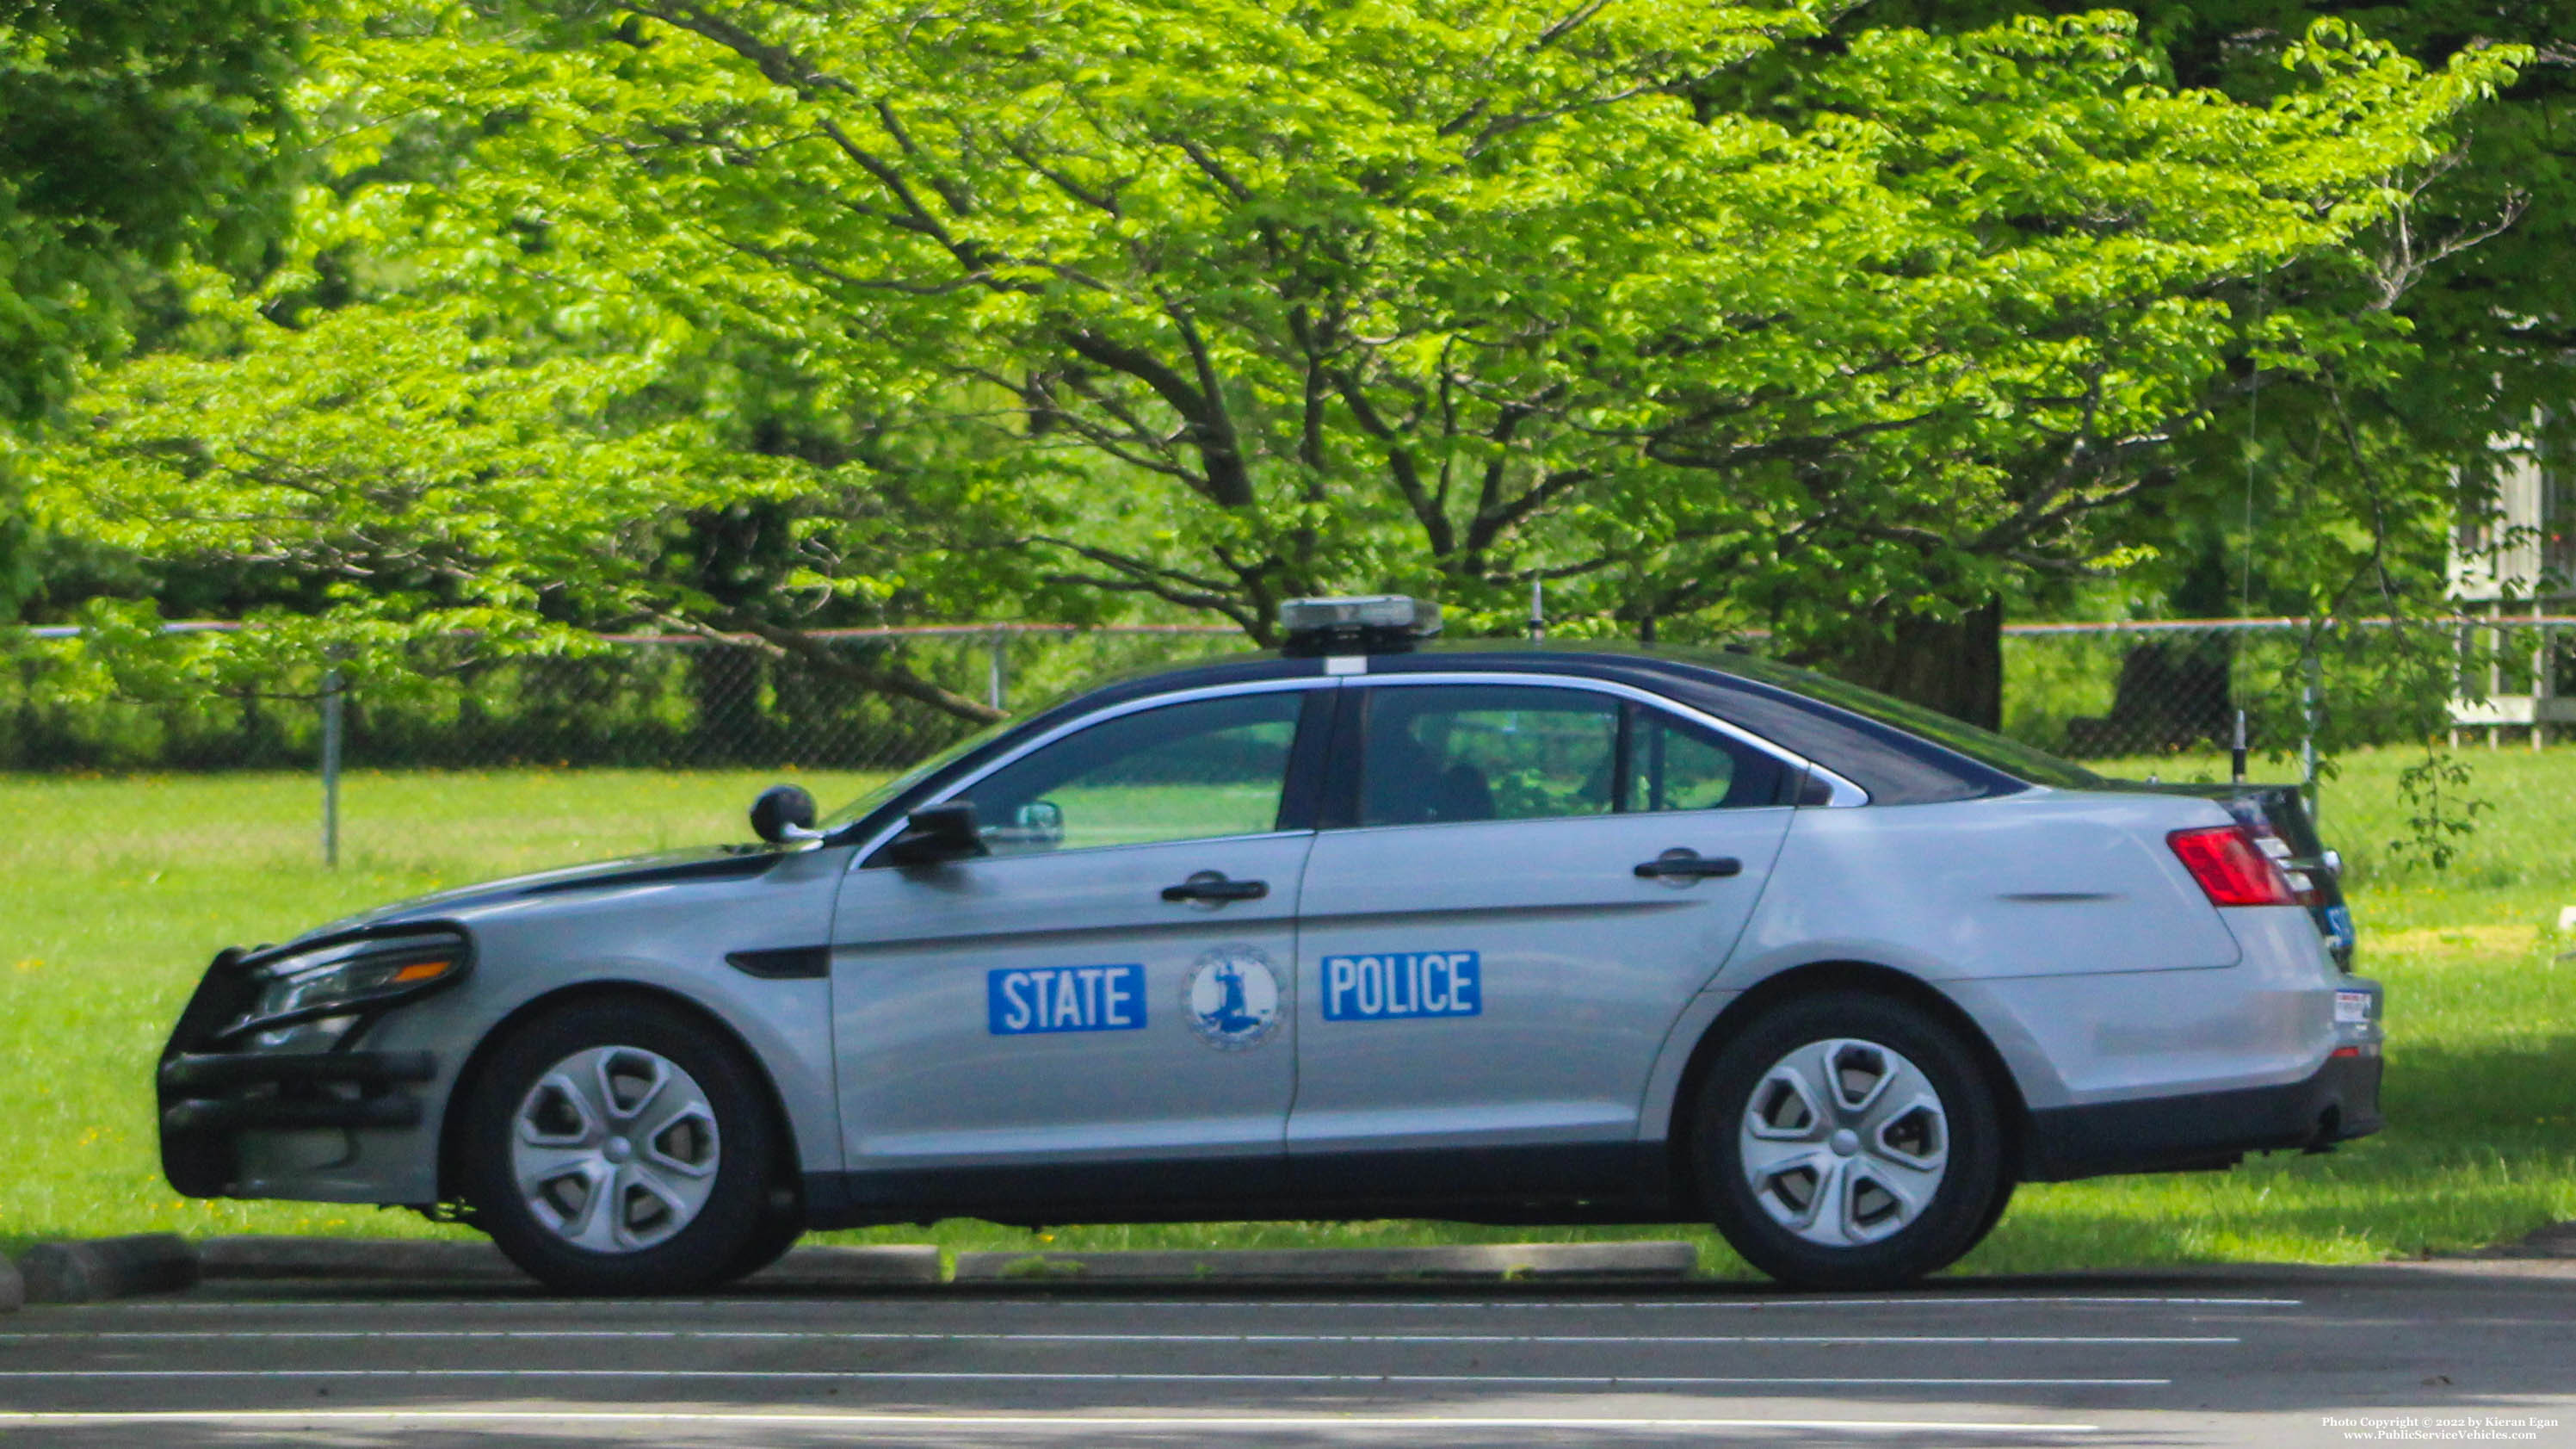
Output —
(234, 1090)
(2208, 1129)
(208, 1097)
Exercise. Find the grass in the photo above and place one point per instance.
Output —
(113, 891)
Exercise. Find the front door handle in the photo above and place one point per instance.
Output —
(1211, 885)
(1683, 863)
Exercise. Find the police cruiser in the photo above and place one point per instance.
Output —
(1373, 927)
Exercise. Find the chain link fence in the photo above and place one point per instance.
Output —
(2143, 690)
(2090, 691)
(637, 701)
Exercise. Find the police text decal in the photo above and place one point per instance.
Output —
(1402, 984)
(1064, 998)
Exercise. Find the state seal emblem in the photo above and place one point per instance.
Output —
(1233, 999)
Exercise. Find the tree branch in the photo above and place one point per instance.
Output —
(784, 643)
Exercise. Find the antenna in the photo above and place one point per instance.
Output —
(2236, 755)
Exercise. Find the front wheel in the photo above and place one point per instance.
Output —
(620, 1147)
(1849, 1142)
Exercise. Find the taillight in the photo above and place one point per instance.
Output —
(2303, 886)
(2231, 869)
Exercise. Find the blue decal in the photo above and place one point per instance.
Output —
(1400, 984)
(2339, 927)
(1064, 998)
(1233, 998)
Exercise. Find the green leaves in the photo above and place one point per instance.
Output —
(132, 133)
(756, 315)
(1468, 292)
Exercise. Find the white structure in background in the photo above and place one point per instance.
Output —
(2518, 568)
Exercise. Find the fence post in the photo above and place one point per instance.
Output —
(2495, 672)
(993, 678)
(2459, 677)
(331, 697)
(2539, 672)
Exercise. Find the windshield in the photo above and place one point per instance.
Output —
(877, 798)
(1987, 748)
(868, 803)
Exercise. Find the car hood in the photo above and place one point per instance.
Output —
(713, 862)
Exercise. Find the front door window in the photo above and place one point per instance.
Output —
(1197, 771)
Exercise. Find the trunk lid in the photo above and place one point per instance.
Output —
(2278, 818)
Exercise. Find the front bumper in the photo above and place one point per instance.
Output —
(2200, 1130)
(208, 1096)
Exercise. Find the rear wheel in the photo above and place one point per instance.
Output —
(1849, 1141)
(619, 1146)
(783, 1224)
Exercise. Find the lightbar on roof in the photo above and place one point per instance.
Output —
(1368, 624)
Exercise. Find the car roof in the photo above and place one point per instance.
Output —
(1900, 754)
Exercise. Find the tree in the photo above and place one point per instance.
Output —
(1533, 294)
(2326, 482)
(133, 133)
(1216, 304)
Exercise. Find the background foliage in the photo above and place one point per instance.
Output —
(761, 317)
(134, 135)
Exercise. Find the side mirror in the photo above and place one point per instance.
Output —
(783, 813)
(1038, 825)
(935, 833)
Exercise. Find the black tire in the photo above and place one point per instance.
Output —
(1994, 1215)
(737, 1228)
(781, 1225)
(1973, 1181)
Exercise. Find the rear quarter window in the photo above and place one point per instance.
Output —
(1901, 753)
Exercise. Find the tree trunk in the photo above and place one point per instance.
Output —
(1955, 666)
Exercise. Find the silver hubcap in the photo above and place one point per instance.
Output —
(614, 1149)
(1844, 1142)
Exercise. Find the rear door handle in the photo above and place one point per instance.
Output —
(1211, 885)
(1682, 863)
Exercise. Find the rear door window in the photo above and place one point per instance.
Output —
(1673, 764)
(1487, 752)
(1435, 753)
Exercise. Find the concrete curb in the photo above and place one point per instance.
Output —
(116, 1267)
(1652, 1261)
(393, 1260)
(377, 1260)
(2556, 1241)
(831, 1267)
(13, 1288)
(85, 1272)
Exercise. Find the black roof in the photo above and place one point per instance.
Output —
(1902, 754)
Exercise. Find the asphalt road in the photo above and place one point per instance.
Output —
(2271, 1358)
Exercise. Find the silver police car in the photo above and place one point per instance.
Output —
(1369, 928)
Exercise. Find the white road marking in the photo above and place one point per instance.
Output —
(335, 1335)
(1106, 1377)
(962, 1300)
(1919, 1300)
(1080, 1422)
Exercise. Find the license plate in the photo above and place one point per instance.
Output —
(2353, 1008)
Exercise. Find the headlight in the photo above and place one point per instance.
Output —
(350, 976)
